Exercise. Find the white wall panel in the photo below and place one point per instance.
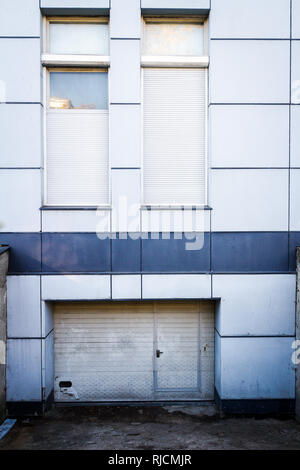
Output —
(236, 71)
(255, 304)
(20, 18)
(295, 200)
(20, 70)
(20, 135)
(23, 307)
(249, 200)
(126, 287)
(23, 372)
(296, 19)
(125, 136)
(76, 221)
(176, 286)
(250, 19)
(296, 72)
(249, 136)
(75, 287)
(126, 197)
(125, 19)
(257, 368)
(175, 220)
(295, 135)
(20, 200)
(125, 63)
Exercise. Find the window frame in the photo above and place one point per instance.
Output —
(200, 62)
(70, 63)
(84, 60)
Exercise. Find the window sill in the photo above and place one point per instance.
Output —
(148, 207)
(75, 208)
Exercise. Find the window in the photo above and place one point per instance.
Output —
(175, 111)
(76, 60)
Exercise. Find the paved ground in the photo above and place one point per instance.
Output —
(137, 428)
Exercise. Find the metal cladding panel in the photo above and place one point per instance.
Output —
(25, 251)
(250, 19)
(250, 252)
(77, 158)
(20, 69)
(257, 368)
(23, 191)
(236, 71)
(125, 19)
(174, 136)
(23, 307)
(20, 135)
(175, 6)
(107, 351)
(75, 7)
(20, 18)
(185, 254)
(296, 19)
(75, 252)
(125, 254)
(23, 372)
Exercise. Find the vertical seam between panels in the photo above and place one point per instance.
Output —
(290, 121)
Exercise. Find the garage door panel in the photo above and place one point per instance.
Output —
(108, 351)
(105, 386)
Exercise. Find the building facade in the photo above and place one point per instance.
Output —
(149, 194)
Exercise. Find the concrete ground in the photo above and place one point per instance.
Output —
(149, 428)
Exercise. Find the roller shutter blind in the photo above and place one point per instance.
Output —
(77, 157)
(174, 170)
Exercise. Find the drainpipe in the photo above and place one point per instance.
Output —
(297, 352)
(4, 256)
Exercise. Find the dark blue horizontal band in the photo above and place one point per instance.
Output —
(79, 11)
(222, 252)
(279, 406)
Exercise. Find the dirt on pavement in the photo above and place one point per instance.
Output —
(149, 428)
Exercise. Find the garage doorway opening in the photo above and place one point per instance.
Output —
(133, 351)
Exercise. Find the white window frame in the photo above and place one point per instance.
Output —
(69, 63)
(176, 62)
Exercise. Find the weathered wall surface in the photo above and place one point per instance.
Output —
(3, 271)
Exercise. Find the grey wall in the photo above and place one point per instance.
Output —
(3, 271)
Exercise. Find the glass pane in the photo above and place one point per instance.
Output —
(177, 39)
(79, 38)
(78, 90)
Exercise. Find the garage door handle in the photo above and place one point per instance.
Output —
(158, 353)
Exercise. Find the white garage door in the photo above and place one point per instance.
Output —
(134, 351)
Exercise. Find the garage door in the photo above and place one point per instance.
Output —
(134, 351)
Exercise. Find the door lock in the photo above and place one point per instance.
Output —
(158, 353)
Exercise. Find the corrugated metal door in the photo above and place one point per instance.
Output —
(108, 351)
(184, 350)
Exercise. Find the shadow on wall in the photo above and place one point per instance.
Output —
(3, 270)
